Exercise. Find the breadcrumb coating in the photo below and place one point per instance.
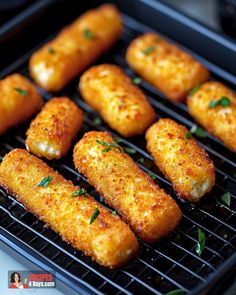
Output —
(76, 47)
(220, 121)
(163, 64)
(108, 240)
(19, 101)
(52, 131)
(148, 209)
(121, 104)
(181, 159)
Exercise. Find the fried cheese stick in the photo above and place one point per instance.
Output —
(19, 101)
(121, 104)
(104, 237)
(147, 208)
(52, 131)
(76, 47)
(163, 64)
(213, 105)
(181, 159)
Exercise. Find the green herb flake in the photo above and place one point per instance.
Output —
(81, 192)
(226, 198)
(51, 50)
(194, 90)
(188, 135)
(223, 102)
(201, 242)
(122, 103)
(94, 215)
(108, 143)
(130, 150)
(176, 292)
(152, 176)
(45, 182)
(113, 212)
(118, 139)
(88, 34)
(137, 81)
(21, 91)
(198, 131)
(97, 121)
(106, 150)
(212, 104)
(148, 50)
(141, 160)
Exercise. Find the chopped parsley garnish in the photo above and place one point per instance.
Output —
(113, 212)
(88, 34)
(51, 50)
(176, 292)
(152, 176)
(106, 150)
(118, 139)
(148, 50)
(137, 81)
(201, 242)
(81, 192)
(45, 182)
(226, 198)
(94, 215)
(198, 131)
(97, 121)
(122, 103)
(108, 143)
(141, 160)
(194, 90)
(223, 102)
(188, 135)
(21, 91)
(130, 150)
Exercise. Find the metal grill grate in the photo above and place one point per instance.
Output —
(169, 264)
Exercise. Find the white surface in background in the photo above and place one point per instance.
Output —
(8, 263)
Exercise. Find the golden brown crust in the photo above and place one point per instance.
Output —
(16, 107)
(108, 240)
(52, 131)
(181, 160)
(167, 67)
(64, 57)
(121, 104)
(147, 208)
(219, 121)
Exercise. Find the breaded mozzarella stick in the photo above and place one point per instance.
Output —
(51, 133)
(213, 105)
(76, 47)
(121, 104)
(163, 64)
(147, 208)
(19, 101)
(67, 209)
(181, 159)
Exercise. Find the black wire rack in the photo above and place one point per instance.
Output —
(169, 264)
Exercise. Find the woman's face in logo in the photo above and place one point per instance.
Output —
(16, 277)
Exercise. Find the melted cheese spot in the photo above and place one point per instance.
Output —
(45, 147)
(43, 72)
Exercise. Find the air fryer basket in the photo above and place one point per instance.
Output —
(171, 263)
